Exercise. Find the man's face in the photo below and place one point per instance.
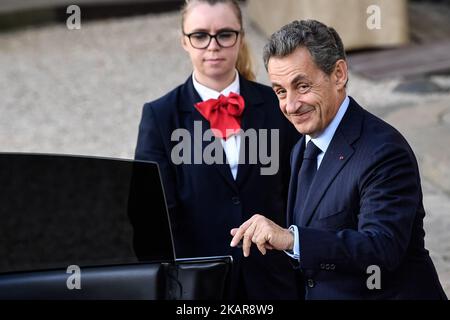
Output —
(308, 97)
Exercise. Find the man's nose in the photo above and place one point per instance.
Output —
(293, 103)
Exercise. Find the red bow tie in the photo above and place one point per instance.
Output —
(224, 114)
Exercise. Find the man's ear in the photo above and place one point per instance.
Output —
(340, 74)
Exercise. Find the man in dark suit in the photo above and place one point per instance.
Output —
(355, 211)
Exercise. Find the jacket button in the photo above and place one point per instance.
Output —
(236, 200)
(311, 283)
(327, 267)
(333, 266)
(322, 266)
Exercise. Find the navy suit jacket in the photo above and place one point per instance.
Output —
(364, 208)
(205, 202)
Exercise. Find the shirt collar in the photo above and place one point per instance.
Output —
(208, 93)
(324, 139)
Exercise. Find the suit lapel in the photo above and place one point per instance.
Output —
(190, 98)
(252, 118)
(296, 161)
(337, 156)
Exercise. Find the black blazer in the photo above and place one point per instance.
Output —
(365, 208)
(205, 202)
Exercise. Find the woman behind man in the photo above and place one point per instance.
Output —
(206, 200)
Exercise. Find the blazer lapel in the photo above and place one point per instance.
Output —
(190, 98)
(296, 161)
(337, 156)
(252, 118)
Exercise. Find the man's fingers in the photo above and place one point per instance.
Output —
(258, 239)
(259, 230)
(237, 237)
(239, 232)
(248, 239)
(261, 248)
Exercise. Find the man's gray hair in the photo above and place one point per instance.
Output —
(322, 42)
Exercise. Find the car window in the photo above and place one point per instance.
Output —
(57, 211)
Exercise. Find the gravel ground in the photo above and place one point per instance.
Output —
(81, 92)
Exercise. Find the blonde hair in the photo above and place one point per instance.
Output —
(244, 63)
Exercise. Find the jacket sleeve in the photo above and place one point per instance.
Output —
(153, 145)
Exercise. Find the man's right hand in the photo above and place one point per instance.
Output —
(265, 233)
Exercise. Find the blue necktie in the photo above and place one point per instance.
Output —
(305, 179)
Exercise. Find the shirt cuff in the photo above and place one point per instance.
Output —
(295, 253)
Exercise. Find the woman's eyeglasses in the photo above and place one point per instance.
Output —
(201, 40)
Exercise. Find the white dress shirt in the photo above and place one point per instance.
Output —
(231, 145)
(322, 142)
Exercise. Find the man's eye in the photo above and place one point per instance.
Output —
(303, 87)
(280, 93)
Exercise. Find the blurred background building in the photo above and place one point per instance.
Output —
(354, 20)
